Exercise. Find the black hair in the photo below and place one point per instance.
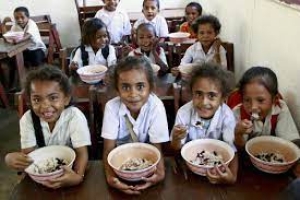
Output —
(196, 5)
(157, 3)
(207, 19)
(264, 76)
(138, 63)
(22, 9)
(223, 78)
(147, 26)
(89, 30)
(48, 73)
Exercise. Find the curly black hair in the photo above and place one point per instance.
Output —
(22, 9)
(207, 19)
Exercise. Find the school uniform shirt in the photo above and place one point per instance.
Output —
(71, 129)
(220, 127)
(196, 54)
(185, 27)
(150, 57)
(117, 22)
(159, 23)
(285, 127)
(150, 126)
(97, 58)
(33, 30)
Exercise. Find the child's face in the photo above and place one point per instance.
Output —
(134, 89)
(191, 13)
(206, 35)
(21, 19)
(150, 9)
(111, 5)
(48, 100)
(101, 39)
(257, 99)
(146, 39)
(207, 97)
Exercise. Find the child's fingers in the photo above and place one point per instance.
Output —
(143, 186)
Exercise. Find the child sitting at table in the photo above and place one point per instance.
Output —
(116, 20)
(192, 11)
(150, 11)
(208, 47)
(207, 116)
(94, 47)
(136, 115)
(52, 121)
(147, 42)
(261, 111)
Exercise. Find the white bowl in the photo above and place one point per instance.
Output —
(190, 150)
(155, 68)
(42, 154)
(179, 37)
(92, 74)
(271, 144)
(185, 71)
(124, 152)
(10, 36)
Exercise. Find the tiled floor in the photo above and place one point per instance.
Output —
(9, 141)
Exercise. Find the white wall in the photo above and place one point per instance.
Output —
(267, 33)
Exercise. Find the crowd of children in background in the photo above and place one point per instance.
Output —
(210, 84)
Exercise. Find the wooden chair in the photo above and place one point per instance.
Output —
(3, 96)
(84, 12)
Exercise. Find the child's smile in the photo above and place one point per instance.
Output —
(206, 35)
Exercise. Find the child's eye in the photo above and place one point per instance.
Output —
(35, 100)
(125, 87)
(53, 98)
(140, 86)
(197, 94)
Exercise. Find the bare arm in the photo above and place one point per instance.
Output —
(81, 160)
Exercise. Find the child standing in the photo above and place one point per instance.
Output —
(207, 116)
(116, 20)
(148, 46)
(135, 113)
(192, 11)
(51, 121)
(94, 48)
(261, 111)
(150, 10)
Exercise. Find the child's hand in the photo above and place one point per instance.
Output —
(152, 180)
(175, 71)
(73, 66)
(126, 50)
(116, 183)
(155, 45)
(221, 174)
(179, 132)
(18, 160)
(69, 178)
(244, 126)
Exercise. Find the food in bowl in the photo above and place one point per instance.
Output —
(191, 149)
(92, 74)
(49, 165)
(208, 158)
(270, 157)
(179, 37)
(270, 145)
(126, 152)
(134, 164)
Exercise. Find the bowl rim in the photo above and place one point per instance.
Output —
(190, 143)
(184, 34)
(81, 69)
(133, 144)
(9, 33)
(56, 171)
(273, 138)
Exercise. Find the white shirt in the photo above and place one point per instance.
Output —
(151, 58)
(159, 23)
(32, 29)
(150, 126)
(96, 58)
(285, 127)
(221, 126)
(71, 129)
(117, 22)
(196, 54)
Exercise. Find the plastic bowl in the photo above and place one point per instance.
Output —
(92, 74)
(190, 150)
(42, 154)
(10, 36)
(179, 37)
(271, 144)
(124, 152)
(185, 71)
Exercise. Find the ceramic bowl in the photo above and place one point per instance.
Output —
(92, 74)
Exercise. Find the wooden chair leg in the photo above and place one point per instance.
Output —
(3, 96)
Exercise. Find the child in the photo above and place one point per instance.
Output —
(192, 11)
(150, 10)
(148, 46)
(261, 111)
(207, 116)
(208, 47)
(51, 121)
(116, 20)
(135, 115)
(34, 55)
(94, 48)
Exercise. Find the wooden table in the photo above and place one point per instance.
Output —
(10, 50)
(252, 184)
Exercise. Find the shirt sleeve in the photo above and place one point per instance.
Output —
(77, 57)
(127, 25)
(27, 134)
(162, 56)
(112, 58)
(188, 56)
(229, 124)
(223, 57)
(163, 29)
(110, 125)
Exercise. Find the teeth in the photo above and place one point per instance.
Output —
(48, 114)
